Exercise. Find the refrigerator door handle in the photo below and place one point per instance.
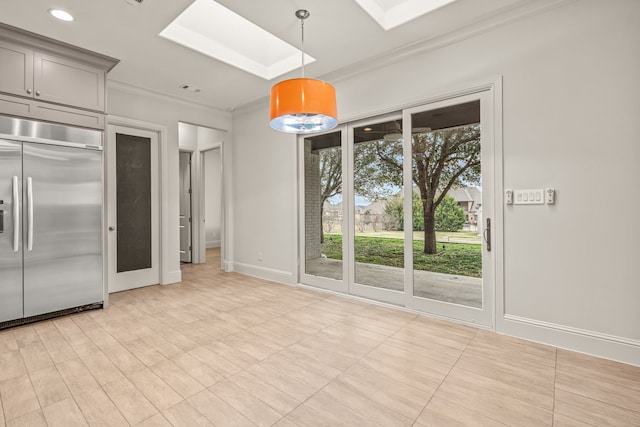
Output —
(30, 214)
(16, 215)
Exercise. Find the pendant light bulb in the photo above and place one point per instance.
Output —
(303, 105)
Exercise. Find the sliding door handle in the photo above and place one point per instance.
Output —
(487, 234)
(30, 214)
(16, 215)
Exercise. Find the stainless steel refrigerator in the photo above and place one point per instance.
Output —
(50, 220)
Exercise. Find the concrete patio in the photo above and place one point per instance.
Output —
(437, 286)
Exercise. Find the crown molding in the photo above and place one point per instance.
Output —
(517, 12)
(137, 90)
(514, 13)
(56, 47)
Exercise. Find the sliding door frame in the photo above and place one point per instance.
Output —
(362, 290)
(493, 318)
(485, 315)
(303, 277)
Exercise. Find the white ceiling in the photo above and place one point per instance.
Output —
(391, 13)
(339, 34)
(205, 27)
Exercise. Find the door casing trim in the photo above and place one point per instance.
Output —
(166, 275)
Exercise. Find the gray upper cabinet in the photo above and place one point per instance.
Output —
(16, 69)
(68, 82)
(50, 78)
(46, 79)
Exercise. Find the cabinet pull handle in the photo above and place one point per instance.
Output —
(29, 91)
(37, 93)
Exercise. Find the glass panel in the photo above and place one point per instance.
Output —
(378, 224)
(447, 204)
(133, 202)
(323, 205)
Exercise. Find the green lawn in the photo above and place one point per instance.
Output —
(452, 258)
(441, 236)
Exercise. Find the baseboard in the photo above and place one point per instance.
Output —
(389, 305)
(274, 275)
(601, 345)
(172, 277)
(212, 244)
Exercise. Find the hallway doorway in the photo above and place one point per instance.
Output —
(202, 191)
(186, 231)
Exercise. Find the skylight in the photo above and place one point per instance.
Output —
(391, 13)
(211, 29)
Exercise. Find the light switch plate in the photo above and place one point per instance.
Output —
(528, 197)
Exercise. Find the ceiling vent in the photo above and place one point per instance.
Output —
(190, 88)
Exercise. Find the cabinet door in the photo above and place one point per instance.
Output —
(67, 82)
(16, 69)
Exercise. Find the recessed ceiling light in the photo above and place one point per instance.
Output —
(367, 129)
(61, 15)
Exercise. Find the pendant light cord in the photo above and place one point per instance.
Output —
(302, 43)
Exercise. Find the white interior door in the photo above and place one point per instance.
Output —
(185, 207)
(134, 206)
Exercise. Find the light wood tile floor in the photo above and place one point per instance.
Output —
(225, 349)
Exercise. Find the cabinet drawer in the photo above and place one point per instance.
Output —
(28, 108)
(13, 106)
(67, 82)
(71, 116)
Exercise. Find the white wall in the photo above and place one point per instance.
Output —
(265, 210)
(570, 104)
(141, 105)
(213, 197)
(187, 137)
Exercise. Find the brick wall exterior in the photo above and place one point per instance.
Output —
(311, 201)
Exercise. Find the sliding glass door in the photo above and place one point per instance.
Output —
(322, 219)
(376, 250)
(397, 208)
(450, 180)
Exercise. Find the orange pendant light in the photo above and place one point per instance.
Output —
(303, 105)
